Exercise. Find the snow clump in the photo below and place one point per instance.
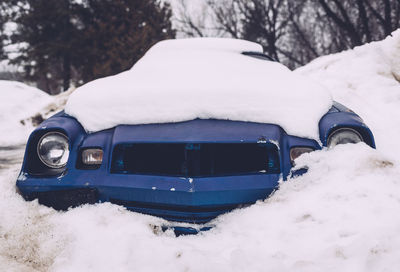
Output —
(207, 78)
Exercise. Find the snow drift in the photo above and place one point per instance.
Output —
(17, 103)
(23, 107)
(366, 79)
(179, 80)
(340, 216)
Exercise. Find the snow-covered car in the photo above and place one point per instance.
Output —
(196, 128)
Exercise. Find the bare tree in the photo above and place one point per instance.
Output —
(295, 32)
(4, 10)
(263, 21)
(363, 20)
(196, 20)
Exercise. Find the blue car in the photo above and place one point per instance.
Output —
(189, 171)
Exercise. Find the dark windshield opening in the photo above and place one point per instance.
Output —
(196, 160)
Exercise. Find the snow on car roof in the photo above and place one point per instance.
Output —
(206, 78)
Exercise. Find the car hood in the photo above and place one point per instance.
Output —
(198, 131)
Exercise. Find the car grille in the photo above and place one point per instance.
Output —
(195, 160)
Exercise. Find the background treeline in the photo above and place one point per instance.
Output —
(64, 42)
(295, 31)
(59, 43)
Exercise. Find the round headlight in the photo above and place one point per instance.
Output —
(53, 149)
(344, 136)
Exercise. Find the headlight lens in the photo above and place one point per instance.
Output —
(344, 136)
(53, 149)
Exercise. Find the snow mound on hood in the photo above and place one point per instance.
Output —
(207, 78)
(18, 102)
(366, 79)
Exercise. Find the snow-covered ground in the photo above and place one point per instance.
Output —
(340, 216)
(21, 107)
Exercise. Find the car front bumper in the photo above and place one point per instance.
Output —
(194, 200)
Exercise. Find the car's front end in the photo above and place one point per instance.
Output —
(188, 171)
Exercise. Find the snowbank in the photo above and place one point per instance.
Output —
(341, 216)
(366, 79)
(22, 108)
(179, 80)
(18, 102)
